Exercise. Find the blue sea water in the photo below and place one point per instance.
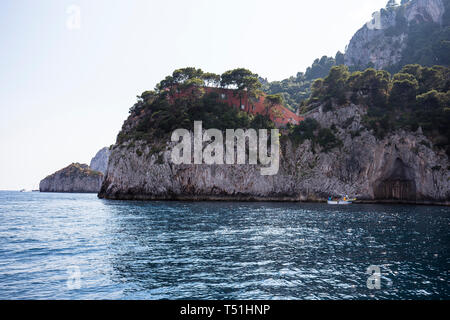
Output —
(75, 246)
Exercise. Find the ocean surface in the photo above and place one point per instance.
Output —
(75, 246)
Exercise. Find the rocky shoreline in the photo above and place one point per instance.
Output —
(206, 198)
(401, 168)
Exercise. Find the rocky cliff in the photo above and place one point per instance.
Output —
(77, 178)
(401, 167)
(100, 161)
(382, 42)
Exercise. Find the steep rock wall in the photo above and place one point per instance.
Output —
(375, 43)
(401, 167)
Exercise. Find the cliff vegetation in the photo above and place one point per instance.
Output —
(416, 97)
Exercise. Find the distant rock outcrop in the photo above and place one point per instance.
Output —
(100, 161)
(382, 42)
(76, 178)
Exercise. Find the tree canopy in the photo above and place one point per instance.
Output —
(157, 116)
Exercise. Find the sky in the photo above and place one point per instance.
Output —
(70, 70)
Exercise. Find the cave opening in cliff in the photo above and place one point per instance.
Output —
(397, 184)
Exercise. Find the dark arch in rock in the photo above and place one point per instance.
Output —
(397, 183)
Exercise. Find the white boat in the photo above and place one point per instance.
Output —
(344, 200)
(339, 202)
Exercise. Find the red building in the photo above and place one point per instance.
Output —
(279, 114)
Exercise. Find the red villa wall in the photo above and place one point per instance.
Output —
(230, 97)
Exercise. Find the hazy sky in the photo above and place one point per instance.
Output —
(65, 91)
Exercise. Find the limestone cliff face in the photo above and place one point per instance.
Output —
(100, 161)
(76, 178)
(401, 167)
(381, 41)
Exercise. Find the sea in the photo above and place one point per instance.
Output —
(76, 246)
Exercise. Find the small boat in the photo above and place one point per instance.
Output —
(344, 200)
(339, 202)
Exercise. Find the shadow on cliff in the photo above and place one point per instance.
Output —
(396, 183)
